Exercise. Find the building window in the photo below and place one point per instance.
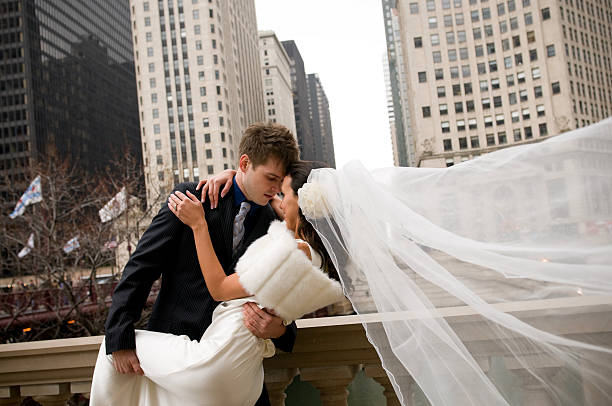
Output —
(461, 36)
(514, 23)
(433, 22)
(204, 107)
(151, 67)
(459, 107)
(156, 129)
(501, 9)
(528, 133)
(497, 101)
(460, 125)
(503, 26)
(472, 124)
(441, 91)
(448, 20)
(457, 90)
(463, 143)
(486, 13)
(426, 111)
(475, 16)
(495, 83)
(533, 55)
(155, 113)
(474, 142)
(443, 109)
(512, 98)
(511, 5)
(482, 68)
(209, 154)
(469, 105)
(158, 144)
(499, 119)
(418, 42)
(484, 85)
(439, 74)
(488, 120)
(435, 39)
(207, 138)
(545, 13)
(521, 77)
(535, 73)
(445, 127)
(459, 19)
(526, 115)
(556, 88)
(543, 129)
(528, 19)
(490, 140)
(431, 5)
(505, 44)
(414, 8)
(516, 117)
(479, 50)
(450, 37)
(493, 66)
(422, 77)
(501, 138)
(467, 88)
(196, 30)
(437, 56)
(523, 95)
(449, 162)
(452, 55)
(530, 37)
(550, 50)
(465, 71)
(540, 110)
(510, 80)
(448, 145)
(486, 103)
(210, 169)
(454, 72)
(490, 48)
(537, 92)
(477, 33)
(200, 60)
(205, 122)
(517, 135)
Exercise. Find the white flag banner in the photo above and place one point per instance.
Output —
(114, 207)
(33, 194)
(71, 245)
(26, 250)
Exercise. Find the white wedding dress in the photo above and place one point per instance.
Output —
(225, 367)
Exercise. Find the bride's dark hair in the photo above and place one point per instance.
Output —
(299, 172)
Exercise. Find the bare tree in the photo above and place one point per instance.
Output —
(67, 297)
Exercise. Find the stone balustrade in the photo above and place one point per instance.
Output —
(328, 353)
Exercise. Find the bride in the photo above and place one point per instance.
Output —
(281, 271)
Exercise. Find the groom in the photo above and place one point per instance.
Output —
(167, 249)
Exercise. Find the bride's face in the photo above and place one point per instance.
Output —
(289, 205)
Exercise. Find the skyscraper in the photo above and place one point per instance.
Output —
(320, 122)
(67, 82)
(276, 76)
(200, 86)
(482, 76)
(300, 101)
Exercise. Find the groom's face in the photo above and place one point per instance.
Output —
(262, 182)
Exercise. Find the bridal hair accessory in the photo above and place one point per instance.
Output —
(312, 201)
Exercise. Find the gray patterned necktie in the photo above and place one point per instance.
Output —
(239, 223)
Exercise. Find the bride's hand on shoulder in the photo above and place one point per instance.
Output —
(212, 186)
(187, 208)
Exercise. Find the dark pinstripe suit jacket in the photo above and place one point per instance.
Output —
(167, 249)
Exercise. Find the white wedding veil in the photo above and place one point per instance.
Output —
(486, 283)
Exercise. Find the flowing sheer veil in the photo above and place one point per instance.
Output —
(486, 283)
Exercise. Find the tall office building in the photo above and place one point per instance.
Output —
(276, 76)
(300, 101)
(402, 138)
(484, 75)
(199, 86)
(320, 122)
(67, 82)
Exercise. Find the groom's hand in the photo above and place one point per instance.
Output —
(261, 323)
(126, 362)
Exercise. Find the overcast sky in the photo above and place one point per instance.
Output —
(343, 41)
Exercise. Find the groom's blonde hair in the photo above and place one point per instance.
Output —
(262, 141)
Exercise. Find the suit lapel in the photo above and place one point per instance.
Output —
(222, 223)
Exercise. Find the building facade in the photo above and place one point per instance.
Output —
(199, 86)
(320, 122)
(276, 75)
(485, 75)
(396, 84)
(66, 84)
(300, 101)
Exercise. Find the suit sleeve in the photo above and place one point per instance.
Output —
(156, 246)
(287, 340)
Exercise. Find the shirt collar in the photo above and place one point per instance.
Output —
(239, 197)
